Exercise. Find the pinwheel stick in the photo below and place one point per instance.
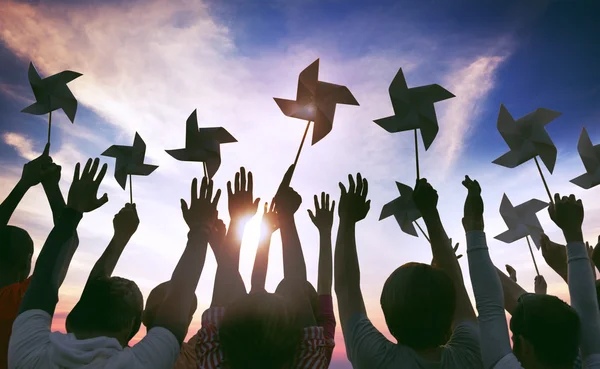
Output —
(423, 232)
(543, 179)
(301, 144)
(205, 171)
(417, 155)
(49, 123)
(532, 257)
(130, 190)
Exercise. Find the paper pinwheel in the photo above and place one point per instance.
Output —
(52, 93)
(527, 138)
(414, 109)
(203, 144)
(590, 156)
(521, 220)
(316, 101)
(403, 208)
(130, 161)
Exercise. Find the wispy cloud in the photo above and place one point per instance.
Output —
(23, 145)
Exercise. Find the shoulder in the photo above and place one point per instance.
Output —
(159, 349)
(463, 347)
(509, 361)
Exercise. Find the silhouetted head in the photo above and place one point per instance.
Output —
(418, 303)
(286, 288)
(110, 307)
(16, 250)
(545, 331)
(155, 299)
(259, 330)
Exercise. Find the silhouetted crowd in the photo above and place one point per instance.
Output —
(426, 307)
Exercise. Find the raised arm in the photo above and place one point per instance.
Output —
(353, 207)
(125, 223)
(555, 255)
(43, 289)
(269, 224)
(287, 202)
(322, 218)
(200, 217)
(567, 213)
(33, 174)
(426, 199)
(510, 289)
(495, 342)
(229, 285)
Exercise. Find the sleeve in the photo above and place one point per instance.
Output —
(29, 340)
(493, 329)
(583, 298)
(366, 347)
(314, 349)
(327, 320)
(208, 346)
(465, 344)
(159, 349)
(509, 361)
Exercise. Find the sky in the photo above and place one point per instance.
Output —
(147, 65)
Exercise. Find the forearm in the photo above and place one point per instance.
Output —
(294, 267)
(69, 251)
(511, 291)
(173, 314)
(583, 295)
(495, 342)
(106, 264)
(55, 199)
(8, 206)
(325, 276)
(233, 239)
(45, 282)
(261, 263)
(347, 272)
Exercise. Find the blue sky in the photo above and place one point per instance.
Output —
(148, 64)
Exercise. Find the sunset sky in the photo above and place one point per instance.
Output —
(147, 65)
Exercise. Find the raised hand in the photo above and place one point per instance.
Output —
(473, 211)
(270, 221)
(322, 218)
(84, 190)
(287, 200)
(555, 255)
(512, 273)
(242, 205)
(567, 214)
(126, 221)
(541, 287)
(425, 197)
(434, 264)
(354, 205)
(40, 169)
(201, 214)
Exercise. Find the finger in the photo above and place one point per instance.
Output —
(323, 204)
(311, 215)
(333, 206)
(368, 205)
(255, 204)
(76, 174)
(287, 178)
(94, 168)
(342, 188)
(365, 188)
(229, 192)
(203, 189)
(86, 169)
(272, 205)
(217, 197)
(250, 182)
(209, 190)
(265, 208)
(236, 185)
(101, 201)
(184, 206)
(327, 202)
(359, 184)
(243, 179)
(194, 189)
(556, 198)
(316, 200)
(352, 186)
(572, 197)
(459, 256)
(101, 174)
(477, 186)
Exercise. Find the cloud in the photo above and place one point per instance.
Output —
(23, 145)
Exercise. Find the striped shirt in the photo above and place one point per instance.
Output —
(312, 354)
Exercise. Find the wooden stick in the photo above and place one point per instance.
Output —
(417, 155)
(532, 257)
(423, 232)
(205, 170)
(543, 179)
(301, 144)
(130, 190)
(49, 125)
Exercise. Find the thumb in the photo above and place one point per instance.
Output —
(256, 202)
(184, 206)
(46, 150)
(311, 215)
(101, 201)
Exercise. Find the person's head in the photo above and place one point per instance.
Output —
(285, 288)
(545, 332)
(16, 250)
(109, 307)
(418, 304)
(155, 299)
(259, 330)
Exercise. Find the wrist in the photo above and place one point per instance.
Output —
(573, 235)
(325, 232)
(347, 222)
(122, 235)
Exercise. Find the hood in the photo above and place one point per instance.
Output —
(66, 351)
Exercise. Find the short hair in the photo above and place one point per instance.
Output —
(550, 325)
(259, 330)
(418, 303)
(16, 248)
(107, 305)
(155, 300)
(285, 288)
